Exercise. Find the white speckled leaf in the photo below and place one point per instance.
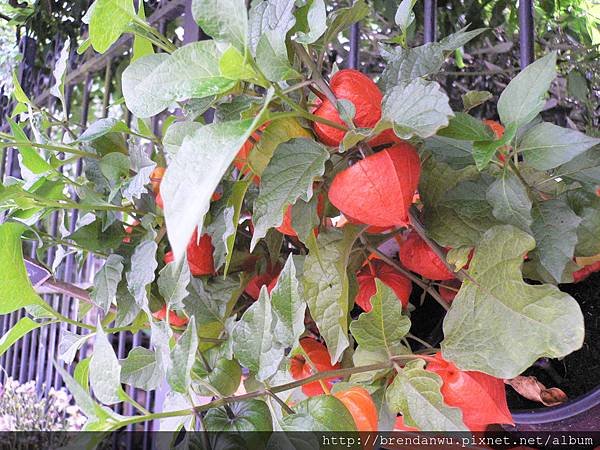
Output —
(288, 306)
(105, 371)
(384, 326)
(153, 82)
(500, 325)
(106, 281)
(416, 394)
(289, 176)
(254, 344)
(183, 356)
(416, 108)
(326, 287)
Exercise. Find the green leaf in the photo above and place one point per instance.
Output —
(546, 146)
(311, 21)
(211, 302)
(415, 392)
(127, 308)
(289, 176)
(405, 64)
(183, 356)
(577, 86)
(484, 151)
(59, 72)
(109, 19)
(500, 325)
(233, 65)
(362, 357)
(104, 292)
(172, 283)
(471, 99)
(254, 344)
(233, 213)
(404, 15)
(69, 344)
(584, 168)
(105, 371)
(223, 376)
(141, 45)
(457, 154)
(459, 39)
(102, 127)
(16, 332)
(16, 291)
(81, 374)
(93, 411)
(176, 133)
(511, 202)
(141, 274)
(305, 218)
(321, 413)
(416, 108)
(115, 167)
(288, 306)
(467, 128)
(385, 325)
(463, 213)
(248, 415)
(342, 18)
(555, 231)
(276, 133)
(523, 98)
(141, 370)
(326, 288)
(224, 20)
(154, 82)
(271, 49)
(32, 160)
(195, 172)
(18, 91)
(588, 231)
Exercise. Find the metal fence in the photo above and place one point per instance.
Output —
(34, 356)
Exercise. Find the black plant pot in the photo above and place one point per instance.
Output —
(580, 414)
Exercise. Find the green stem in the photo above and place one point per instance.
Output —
(338, 373)
(436, 296)
(312, 117)
(55, 148)
(66, 319)
(125, 396)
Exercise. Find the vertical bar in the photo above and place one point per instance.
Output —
(429, 19)
(191, 31)
(526, 32)
(353, 55)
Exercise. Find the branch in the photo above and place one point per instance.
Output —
(315, 75)
(275, 389)
(408, 274)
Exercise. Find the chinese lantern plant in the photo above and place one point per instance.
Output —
(235, 262)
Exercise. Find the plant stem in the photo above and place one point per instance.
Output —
(419, 340)
(56, 148)
(338, 373)
(129, 399)
(295, 87)
(436, 296)
(302, 113)
(316, 76)
(281, 403)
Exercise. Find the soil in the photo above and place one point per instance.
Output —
(576, 374)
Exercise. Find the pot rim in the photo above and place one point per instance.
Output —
(566, 410)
